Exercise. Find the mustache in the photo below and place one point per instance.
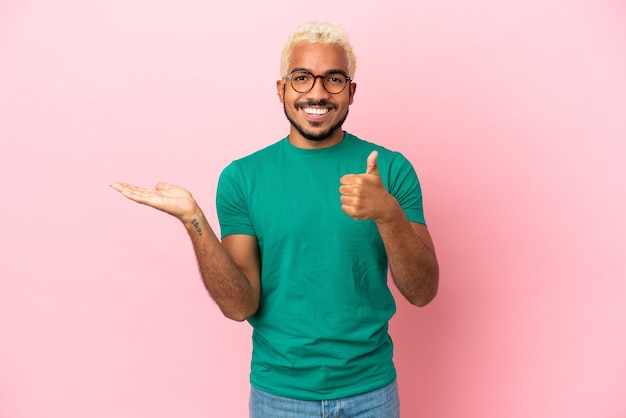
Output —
(314, 103)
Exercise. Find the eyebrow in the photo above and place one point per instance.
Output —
(326, 73)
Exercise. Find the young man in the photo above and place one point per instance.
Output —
(310, 226)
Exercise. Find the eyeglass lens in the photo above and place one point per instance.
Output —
(303, 82)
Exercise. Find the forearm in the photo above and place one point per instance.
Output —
(412, 263)
(226, 283)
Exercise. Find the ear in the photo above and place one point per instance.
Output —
(352, 91)
(280, 90)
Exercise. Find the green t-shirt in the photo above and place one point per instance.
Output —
(321, 330)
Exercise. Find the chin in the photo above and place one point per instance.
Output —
(316, 136)
(319, 137)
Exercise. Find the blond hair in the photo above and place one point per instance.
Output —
(318, 32)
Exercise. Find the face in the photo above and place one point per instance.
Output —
(316, 117)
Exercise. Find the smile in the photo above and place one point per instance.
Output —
(317, 111)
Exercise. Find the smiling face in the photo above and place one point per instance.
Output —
(316, 117)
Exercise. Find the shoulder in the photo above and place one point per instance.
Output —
(253, 160)
(386, 156)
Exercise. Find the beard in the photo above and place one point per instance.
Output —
(309, 135)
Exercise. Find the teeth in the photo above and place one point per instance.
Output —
(315, 110)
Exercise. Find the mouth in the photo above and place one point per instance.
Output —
(316, 110)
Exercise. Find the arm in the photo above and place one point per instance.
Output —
(411, 256)
(408, 245)
(230, 271)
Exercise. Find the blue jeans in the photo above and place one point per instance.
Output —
(380, 403)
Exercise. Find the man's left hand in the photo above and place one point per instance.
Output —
(363, 196)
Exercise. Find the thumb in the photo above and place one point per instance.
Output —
(372, 164)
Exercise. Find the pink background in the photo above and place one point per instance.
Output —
(512, 112)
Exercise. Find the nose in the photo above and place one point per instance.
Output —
(318, 89)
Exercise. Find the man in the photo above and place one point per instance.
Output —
(306, 245)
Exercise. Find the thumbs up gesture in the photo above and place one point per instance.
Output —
(363, 196)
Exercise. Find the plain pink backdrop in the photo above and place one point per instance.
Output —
(512, 112)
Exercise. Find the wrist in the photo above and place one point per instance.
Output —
(195, 222)
(192, 213)
(391, 211)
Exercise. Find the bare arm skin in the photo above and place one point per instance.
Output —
(409, 247)
(230, 270)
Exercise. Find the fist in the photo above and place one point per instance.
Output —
(363, 196)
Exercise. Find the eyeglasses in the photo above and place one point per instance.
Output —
(303, 81)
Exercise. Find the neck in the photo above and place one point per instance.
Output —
(298, 140)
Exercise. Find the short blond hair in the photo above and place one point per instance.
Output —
(318, 32)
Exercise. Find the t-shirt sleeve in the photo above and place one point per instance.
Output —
(405, 187)
(232, 203)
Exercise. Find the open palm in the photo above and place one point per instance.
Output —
(168, 198)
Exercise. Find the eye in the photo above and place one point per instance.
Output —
(336, 78)
(301, 78)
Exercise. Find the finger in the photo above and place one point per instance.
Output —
(124, 188)
(348, 179)
(348, 210)
(352, 179)
(352, 192)
(346, 190)
(116, 185)
(372, 164)
(346, 200)
(352, 212)
(138, 194)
